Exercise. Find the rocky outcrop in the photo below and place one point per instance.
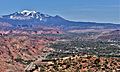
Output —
(18, 51)
(78, 63)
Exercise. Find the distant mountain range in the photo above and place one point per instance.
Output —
(32, 19)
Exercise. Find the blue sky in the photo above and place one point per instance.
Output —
(75, 10)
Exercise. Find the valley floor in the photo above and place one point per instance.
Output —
(94, 51)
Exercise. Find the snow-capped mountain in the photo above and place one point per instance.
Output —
(28, 18)
(31, 18)
(26, 15)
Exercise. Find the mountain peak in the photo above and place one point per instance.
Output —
(26, 15)
(27, 12)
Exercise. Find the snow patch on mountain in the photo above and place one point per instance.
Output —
(26, 12)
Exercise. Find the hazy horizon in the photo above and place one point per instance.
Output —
(102, 11)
